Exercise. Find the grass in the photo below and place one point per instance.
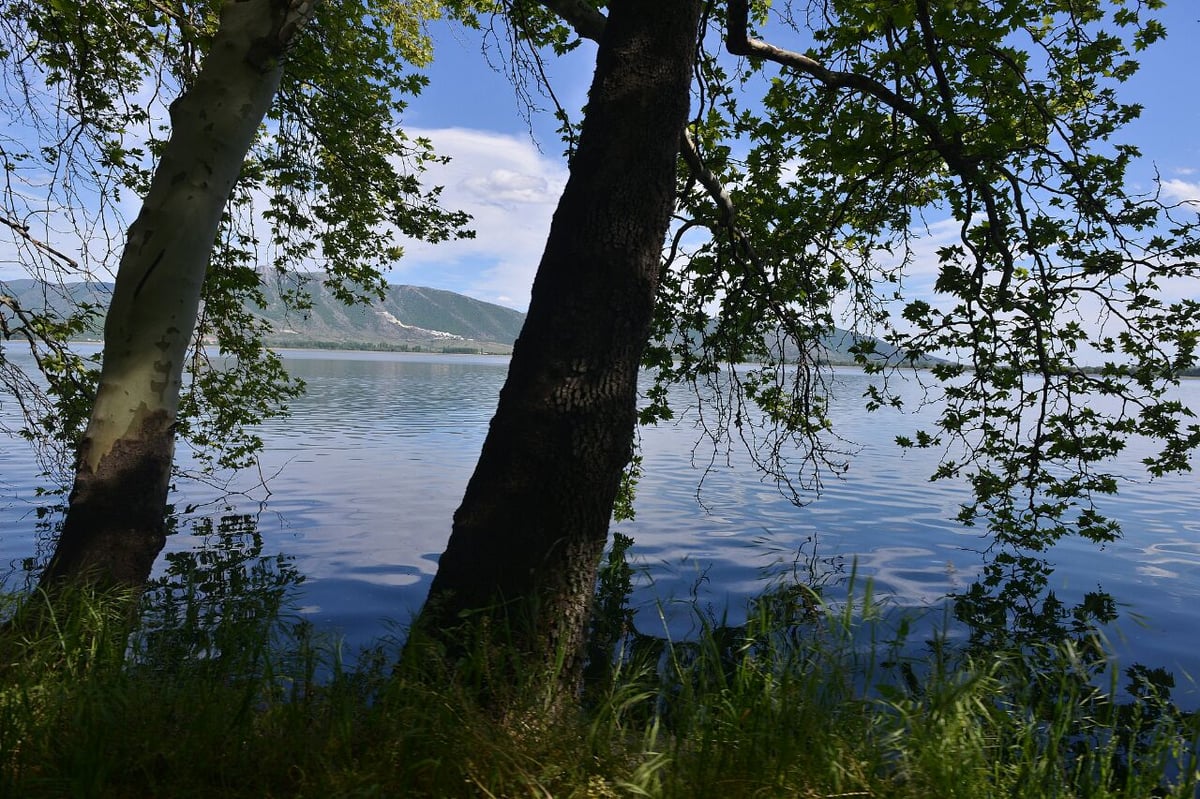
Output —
(201, 703)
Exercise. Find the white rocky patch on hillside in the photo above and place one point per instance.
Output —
(388, 316)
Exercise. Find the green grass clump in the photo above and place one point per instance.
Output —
(231, 704)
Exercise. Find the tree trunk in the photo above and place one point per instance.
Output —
(114, 528)
(529, 534)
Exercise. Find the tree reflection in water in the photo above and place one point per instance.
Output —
(1061, 654)
(223, 601)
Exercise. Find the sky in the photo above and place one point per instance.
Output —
(507, 168)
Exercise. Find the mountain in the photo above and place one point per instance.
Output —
(410, 317)
(838, 349)
(57, 299)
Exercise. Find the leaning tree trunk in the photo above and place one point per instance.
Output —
(528, 537)
(114, 528)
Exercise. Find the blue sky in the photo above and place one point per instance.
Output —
(507, 167)
(508, 171)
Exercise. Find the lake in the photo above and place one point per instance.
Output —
(359, 486)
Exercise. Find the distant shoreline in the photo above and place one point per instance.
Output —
(484, 348)
(475, 348)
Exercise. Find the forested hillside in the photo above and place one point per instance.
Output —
(409, 317)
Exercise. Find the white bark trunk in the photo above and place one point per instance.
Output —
(116, 509)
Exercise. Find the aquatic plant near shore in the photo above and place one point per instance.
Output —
(223, 690)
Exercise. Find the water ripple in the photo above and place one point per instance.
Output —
(374, 459)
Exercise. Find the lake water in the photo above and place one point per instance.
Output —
(363, 479)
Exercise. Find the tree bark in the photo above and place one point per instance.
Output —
(114, 528)
(528, 537)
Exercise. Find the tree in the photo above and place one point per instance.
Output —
(114, 524)
(528, 536)
(1001, 116)
(338, 182)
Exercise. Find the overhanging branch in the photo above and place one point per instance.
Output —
(738, 42)
(705, 177)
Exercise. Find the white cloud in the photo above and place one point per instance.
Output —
(511, 190)
(503, 186)
(927, 238)
(508, 186)
(1182, 191)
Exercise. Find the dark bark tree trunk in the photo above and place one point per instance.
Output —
(114, 527)
(529, 534)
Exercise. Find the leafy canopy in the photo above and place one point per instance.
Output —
(332, 185)
(827, 152)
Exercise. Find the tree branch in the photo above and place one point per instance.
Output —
(588, 22)
(185, 24)
(23, 231)
(738, 42)
(703, 175)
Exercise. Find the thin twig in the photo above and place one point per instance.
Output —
(23, 230)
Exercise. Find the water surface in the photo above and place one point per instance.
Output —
(359, 486)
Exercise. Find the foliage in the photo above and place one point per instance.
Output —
(816, 170)
(331, 181)
(791, 706)
(53, 416)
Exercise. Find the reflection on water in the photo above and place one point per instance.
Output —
(363, 479)
(219, 600)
